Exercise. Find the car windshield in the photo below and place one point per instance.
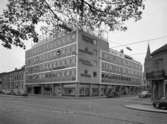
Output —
(163, 98)
(144, 92)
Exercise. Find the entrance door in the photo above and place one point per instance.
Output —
(165, 90)
(37, 90)
(155, 90)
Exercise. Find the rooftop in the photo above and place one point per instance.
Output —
(160, 50)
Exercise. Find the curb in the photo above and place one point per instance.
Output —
(148, 108)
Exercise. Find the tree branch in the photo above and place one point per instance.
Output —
(55, 16)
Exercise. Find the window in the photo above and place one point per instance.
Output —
(72, 61)
(86, 71)
(60, 63)
(73, 37)
(94, 74)
(55, 64)
(94, 42)
(63, 52)
(158, 64)
(73, 49)
(63, 41)
(55, 53)
(55, 44)
(65, 62)
(86, 49)
(95, 63)
(67, 73)
(67, 50)
(87, 39)
(58, 42)
(59, 74)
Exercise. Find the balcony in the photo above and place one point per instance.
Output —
(156, 75)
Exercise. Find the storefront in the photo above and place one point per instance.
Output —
(69, 89)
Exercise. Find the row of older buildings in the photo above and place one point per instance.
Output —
(76, 64)
(12, 81)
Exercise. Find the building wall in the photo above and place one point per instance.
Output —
(16, 79)
(53, 61)
(158, 62)
(118, 70)
(6, 81)
(89, 58)
(13, 81)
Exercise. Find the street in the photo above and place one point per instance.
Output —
(50, 110)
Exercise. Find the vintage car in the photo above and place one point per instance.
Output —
(160, 103)
(144, 94)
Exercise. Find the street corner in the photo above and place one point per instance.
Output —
(143, 107)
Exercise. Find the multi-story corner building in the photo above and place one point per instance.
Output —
(156, 72)
(13, 80)
(79, 64)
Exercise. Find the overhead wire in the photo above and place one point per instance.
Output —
(137, 42)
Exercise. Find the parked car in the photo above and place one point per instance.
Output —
(22, 93)
(160, 103)
(111, 94)
(7, 92)
(1, 92)
(144, 94)
(12, 92)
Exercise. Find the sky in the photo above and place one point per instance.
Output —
(151, 26)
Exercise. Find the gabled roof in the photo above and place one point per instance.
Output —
(160, 50)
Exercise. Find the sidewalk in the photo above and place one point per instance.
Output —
(145, 107)
(54, 97)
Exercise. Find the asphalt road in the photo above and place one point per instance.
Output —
(44, 110)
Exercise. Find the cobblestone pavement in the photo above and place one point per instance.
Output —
(43, 110)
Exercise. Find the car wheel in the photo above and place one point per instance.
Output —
(154, 105)
(157, 105)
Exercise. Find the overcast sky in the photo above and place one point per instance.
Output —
(152, 25)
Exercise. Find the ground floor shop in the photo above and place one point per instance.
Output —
(159, 89)
(81, 89)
